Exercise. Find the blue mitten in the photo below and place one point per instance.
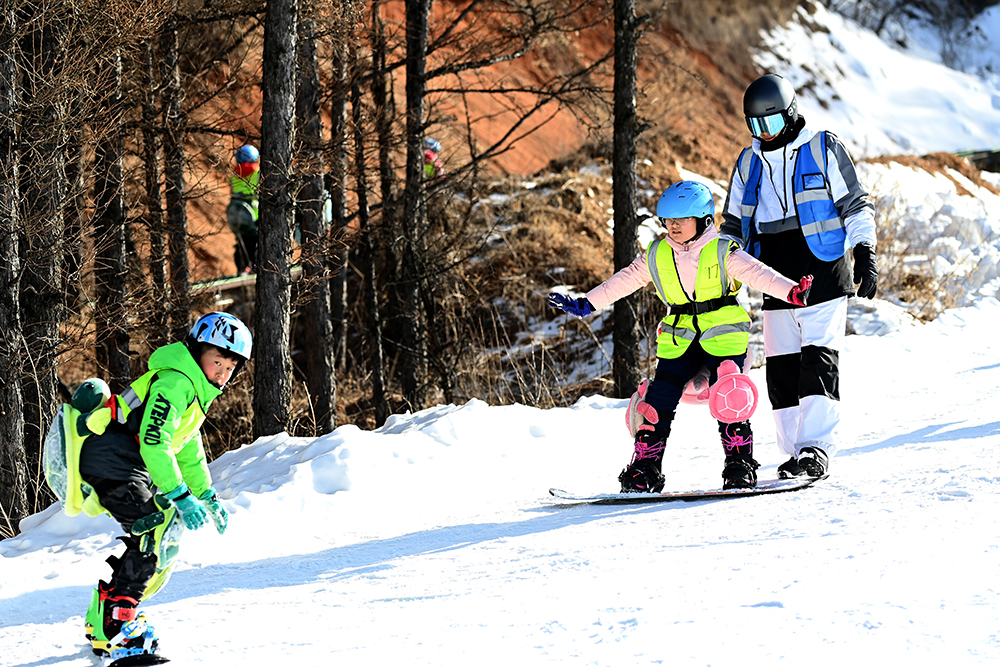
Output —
(192, 512)
(579, 307)
(218, 513)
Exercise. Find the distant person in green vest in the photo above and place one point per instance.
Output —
(697, 274)
(242, 212)
(142, 458)
(432, 159)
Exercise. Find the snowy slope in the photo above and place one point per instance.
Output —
(878, 99)
(432, 541)
(881, 100)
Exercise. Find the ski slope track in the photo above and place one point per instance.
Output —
(432, 541)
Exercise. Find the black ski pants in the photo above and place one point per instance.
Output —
(128, 501)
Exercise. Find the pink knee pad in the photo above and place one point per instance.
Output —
(733, 397)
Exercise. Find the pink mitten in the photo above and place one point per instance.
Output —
(733, 398)
(640, 413)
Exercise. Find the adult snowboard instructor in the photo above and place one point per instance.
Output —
(795, 203)
(140, 456)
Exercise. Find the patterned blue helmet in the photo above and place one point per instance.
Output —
(686, 199)
(247, 154)
(432, 145)
(224, 331)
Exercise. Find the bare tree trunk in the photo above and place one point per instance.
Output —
(109, 234)
(272, 368)
(175, 186)
(414, 357)
(73, 212)
(42, 189)
(339, 253)
(159, 320)
(368, 259)
(13, 465)
(625, 334)
(319, 344)
(388, 212)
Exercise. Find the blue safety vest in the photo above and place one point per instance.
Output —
(814, 206)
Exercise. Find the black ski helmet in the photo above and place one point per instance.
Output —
(770, 98)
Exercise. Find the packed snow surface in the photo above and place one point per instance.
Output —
(432, 541)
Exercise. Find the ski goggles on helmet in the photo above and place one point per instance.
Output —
(770, 125)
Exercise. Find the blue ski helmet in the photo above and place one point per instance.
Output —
(686, 199)
(432, 145)
(247, 154)
(224, 331)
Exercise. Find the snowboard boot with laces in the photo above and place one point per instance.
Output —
(740, 471)
(643, 473)
(813, 461)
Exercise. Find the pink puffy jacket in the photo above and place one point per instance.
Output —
(741, 267)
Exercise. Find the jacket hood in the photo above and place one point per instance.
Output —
(176, 356)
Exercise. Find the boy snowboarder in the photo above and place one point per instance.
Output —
(142, 459)
(697, 274)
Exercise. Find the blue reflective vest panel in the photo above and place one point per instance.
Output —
(817, 213)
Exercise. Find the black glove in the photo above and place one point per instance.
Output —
(865, 270)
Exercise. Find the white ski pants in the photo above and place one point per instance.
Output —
(802, 347)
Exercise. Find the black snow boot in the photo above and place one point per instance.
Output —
(790, 469)
(813, 461)
(740, 472)
(643, 473)
(737, 438)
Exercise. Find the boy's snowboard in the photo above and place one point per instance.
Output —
(763, 486)
(136, 660)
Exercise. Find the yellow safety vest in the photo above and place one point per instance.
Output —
(715, 318)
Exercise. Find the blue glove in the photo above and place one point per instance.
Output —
(579, 307)
(192, 513)
(218, 513)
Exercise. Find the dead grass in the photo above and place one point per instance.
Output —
(902, 275)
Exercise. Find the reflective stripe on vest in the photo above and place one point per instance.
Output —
(815, 209)
(724, 331)
(126, 402)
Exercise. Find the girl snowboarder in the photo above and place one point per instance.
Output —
(697, 274)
